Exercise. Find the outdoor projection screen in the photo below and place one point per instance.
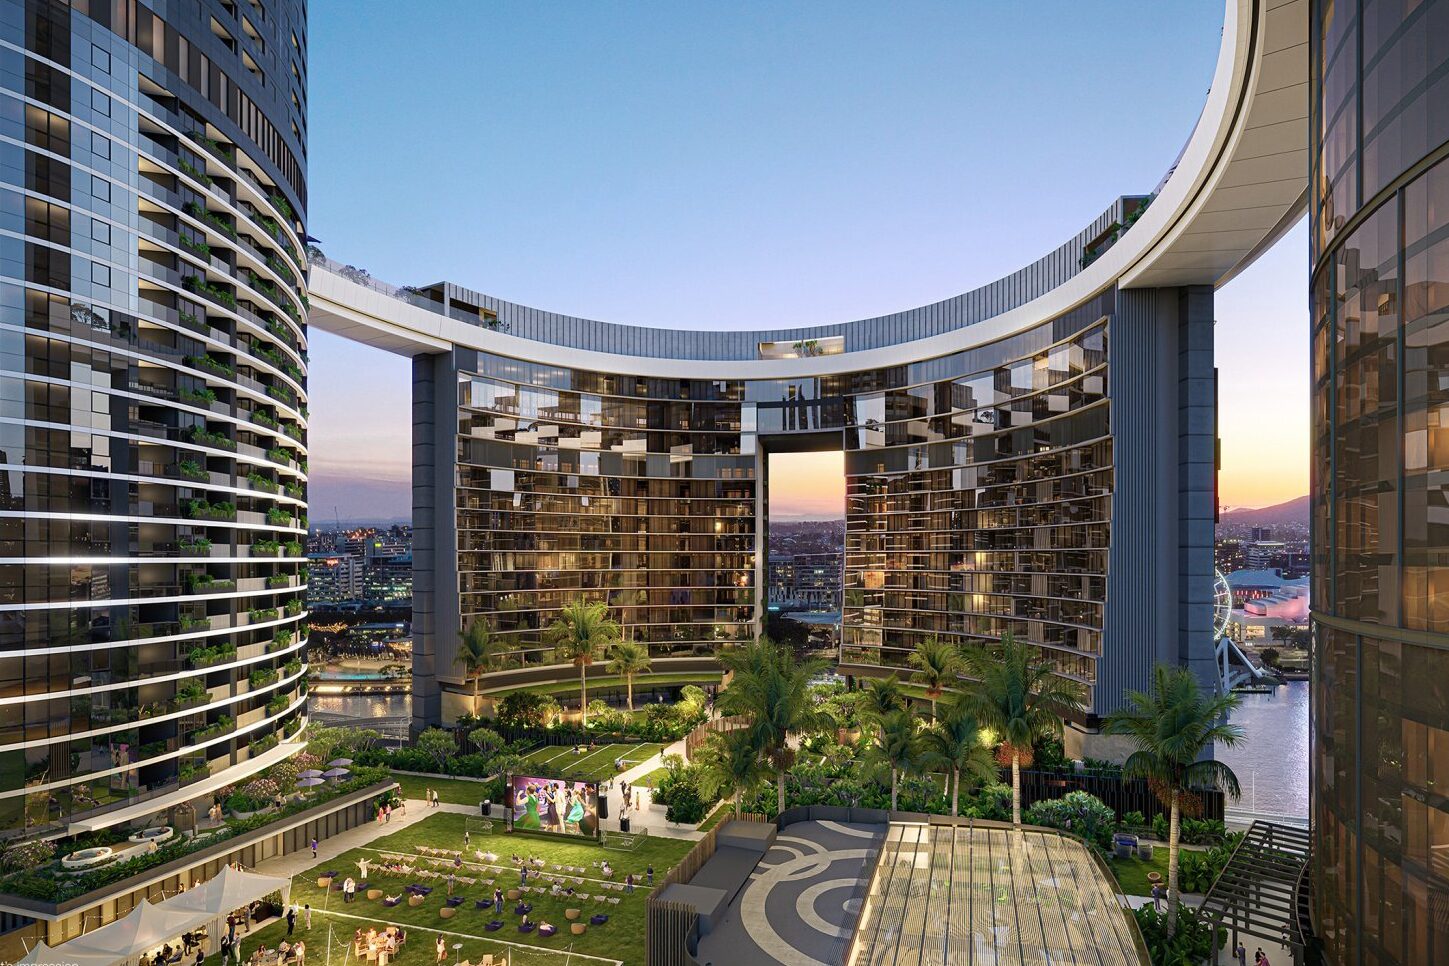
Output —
(554, 805)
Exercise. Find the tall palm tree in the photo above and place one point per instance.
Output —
(954, 742)
(1019, 700)
(771, 688)
(880, 696)
(1172, 727)
(476, 652)
(938, 666)
(896, 748)
(734, 765)
(582, 631)
(627, 659)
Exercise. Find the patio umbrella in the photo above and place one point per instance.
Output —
(309, 773)
(335, 773)
(339, 763)
(310, 782)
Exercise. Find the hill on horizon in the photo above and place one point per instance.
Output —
(1293, 511)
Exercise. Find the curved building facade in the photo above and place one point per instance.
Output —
(1380, 323)
(1034, 457)
(153, 430)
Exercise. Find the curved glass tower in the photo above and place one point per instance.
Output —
(153, 430)
(1381, 479)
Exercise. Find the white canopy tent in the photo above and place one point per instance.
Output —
(225, 892)
(143, 928)
(43, 955)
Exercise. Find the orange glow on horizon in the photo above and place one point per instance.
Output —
(807, 486)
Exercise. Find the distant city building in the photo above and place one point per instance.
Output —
(1262, 534)
(333, 577)
(388, 578)
(811, 581)
(1260, 553)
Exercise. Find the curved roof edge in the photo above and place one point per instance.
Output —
(1239, 184)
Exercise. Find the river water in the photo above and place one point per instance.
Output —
(1272, 763)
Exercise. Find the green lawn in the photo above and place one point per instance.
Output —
(1132, 873)
(419, 949)
(622, 938)
(453, 790)
(560, 761)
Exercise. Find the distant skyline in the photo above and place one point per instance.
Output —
(754, 165)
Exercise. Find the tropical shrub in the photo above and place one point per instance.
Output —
(1077, 812)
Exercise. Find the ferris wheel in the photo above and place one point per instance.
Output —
(1222, 604)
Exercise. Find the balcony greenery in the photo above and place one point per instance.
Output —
(278, 517)
(276, 706)
(207, 584)
(202, 510)
(279, 580)
(221, 726)
(213, 654)
(281, 640)
(204, 396)
(194, 171)
(260, 482)
(259, 614)
(293, 430)
(189, 623)
(278, 455)
(196, 247)
(293, 667)
(294, 607)
(200, 546)
(296, 492)
(193, 321)
(204, 437)
(262, 677)
(192, 470)
(282, 394)
(265, 548)
(263, 745)
(292, 548)
(263, 418)
(213, 219)
(210, 365)
(189, 692)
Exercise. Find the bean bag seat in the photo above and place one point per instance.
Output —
(578, 928)
(525, 927)
(447, 912)
(481, 904)
(598, 920)
(546, 931)
(374, 893)
(513, 894)
(389, 903)
(415, 900)
(571, 914)
(454, 902)
(493, 925)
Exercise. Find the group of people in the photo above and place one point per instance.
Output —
(384, 812)
(166, 954)
(1260, 958)
(380, 946)
(430, 795)
(558, 804)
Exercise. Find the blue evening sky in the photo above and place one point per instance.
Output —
(694, 165)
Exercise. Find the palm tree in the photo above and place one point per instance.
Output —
(476, 652)
(733, 765)
(938, 665)
(954, 742)
(627, 659)
(897, 747)
(579, 634)
(772, 688)
(1020, 701)
(880, 697)
(1172, 727)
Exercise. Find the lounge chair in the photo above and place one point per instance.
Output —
(598, 919)
(481, 904)
(493, 925)
(546, 931)
(454, 902)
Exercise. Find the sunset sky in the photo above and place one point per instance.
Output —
(693, 165)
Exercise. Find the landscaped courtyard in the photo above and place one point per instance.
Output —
(426, 849)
